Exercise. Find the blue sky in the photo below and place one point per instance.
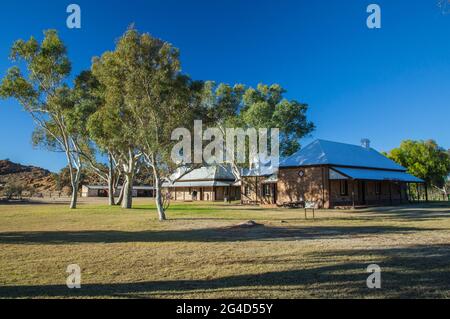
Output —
(387, 85)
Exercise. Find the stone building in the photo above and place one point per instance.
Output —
(102, 191)
(330, 174)
(209, 183)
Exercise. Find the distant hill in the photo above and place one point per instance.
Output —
(43, 181)
(29, 176)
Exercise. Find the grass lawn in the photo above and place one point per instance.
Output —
(199, 254)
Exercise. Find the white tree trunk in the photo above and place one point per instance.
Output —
(75, 181)
(159, 200)
(111, 182)
(120, 199)
(111, 192)
(73, 201)
(127, 201)
(129, 171)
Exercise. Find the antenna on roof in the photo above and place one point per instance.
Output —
(365, 142)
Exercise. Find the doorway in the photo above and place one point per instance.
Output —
(362, 192)
(274, 193)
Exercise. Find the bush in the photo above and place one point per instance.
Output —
(13, 190)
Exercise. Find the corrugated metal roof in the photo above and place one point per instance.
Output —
(95, 187)
(335, 175)
(99, 187)
(262, 167)
(143, 187)
(261, 171)
(207, 176)
(377, 175)
(322, 152)
(271, 179)
(199, 184)
(215, 172)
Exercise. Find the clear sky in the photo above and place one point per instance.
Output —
(387, 85)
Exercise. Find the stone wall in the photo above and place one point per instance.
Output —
(204, 193)
(252, 191)
(313, 184)
(303, 184)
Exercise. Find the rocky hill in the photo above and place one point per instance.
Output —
(43, 181)
(39, 179)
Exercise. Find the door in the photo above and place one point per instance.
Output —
(362, 192)
(274, 190)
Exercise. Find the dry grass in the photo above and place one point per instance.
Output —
(196, 254)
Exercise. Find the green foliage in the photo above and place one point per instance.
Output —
(112, 125)
(42, 91)
(130, 102)
(424, 159)
(145, 97)
(263, 107)
(63, 181)
(221, 103)
(56, 109)
(47, 65)
(59, 111)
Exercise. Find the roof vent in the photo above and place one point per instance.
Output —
(365, 142)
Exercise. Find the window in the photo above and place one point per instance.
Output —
(246, 190)
(102, 193)
(378, 188)
(267, 190)
(344, 187)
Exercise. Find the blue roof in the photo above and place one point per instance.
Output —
(321, 152)
(377, 175)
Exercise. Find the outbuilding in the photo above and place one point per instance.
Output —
(208, 183)
(102, 191)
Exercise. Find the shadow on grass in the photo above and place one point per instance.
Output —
(206, 209)
(32, 202)
(420, 212)
(202, 235)
(415, 272)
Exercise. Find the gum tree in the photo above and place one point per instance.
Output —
(114, 125)
(104, 129)
(43, 92)
(156, 99)
(88, 98)
(261, 107)
(426, 160)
